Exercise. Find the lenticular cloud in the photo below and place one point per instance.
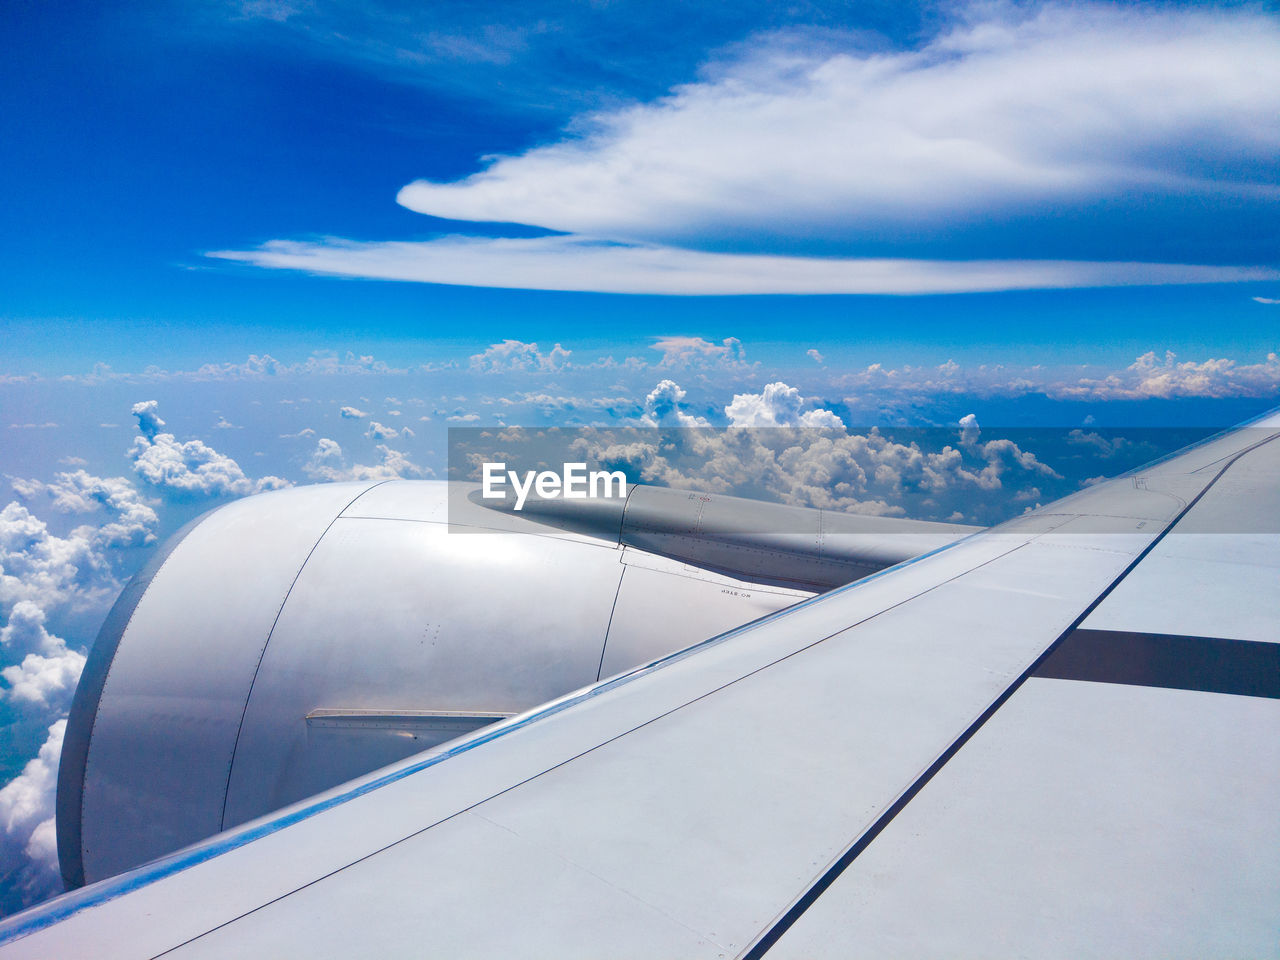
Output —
(1002, 114)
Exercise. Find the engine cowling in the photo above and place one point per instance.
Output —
(287, 642)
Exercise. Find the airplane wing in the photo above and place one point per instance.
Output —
(1058, 737)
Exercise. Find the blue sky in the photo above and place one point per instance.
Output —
(269, 242)
(138, 138)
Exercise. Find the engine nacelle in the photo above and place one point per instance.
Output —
(285, 643)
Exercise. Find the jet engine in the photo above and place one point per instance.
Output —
(285, 643)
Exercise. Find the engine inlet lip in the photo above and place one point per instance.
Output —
(69, 804)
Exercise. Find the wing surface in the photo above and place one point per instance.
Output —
(1059, 737)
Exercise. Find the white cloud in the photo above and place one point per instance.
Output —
(328, 463)
(192, 467)
(576, 263)
(25, 632)
(1266, 300)
(858, 473)
(814, 355)
(27, 815)
(681, 352)
(518, 355)
(46, 670)
(351, 413)
(553, 404)
(664, 407)
(149, 422)
(1149, 376)
(778, 405)
(378, 431)
(189, 468)
(1106, 448)
(133, 522)
(51, 571)
(253, 368)
(256, 367)
(1167, 378)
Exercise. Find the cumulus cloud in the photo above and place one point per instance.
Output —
(868, 473)
(679, 352)
(133, 519)
(664, 407)
(1107, 448)
(41, 572)
(187, 468)
(1166, 377)
(256, 367)
(192, 467)
(548, 404)
(27, 815)
(328, 463)
(378, 431)
(517, 355)
(778, 405)
(46, 669)
(264, 484)
(149, 422)
(53, 572)
(1149, 376)
(351, 413)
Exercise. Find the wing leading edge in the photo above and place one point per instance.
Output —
(873, 768)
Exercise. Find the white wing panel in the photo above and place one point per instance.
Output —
(1217, 574)
(807, 741)
(1083, 820)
